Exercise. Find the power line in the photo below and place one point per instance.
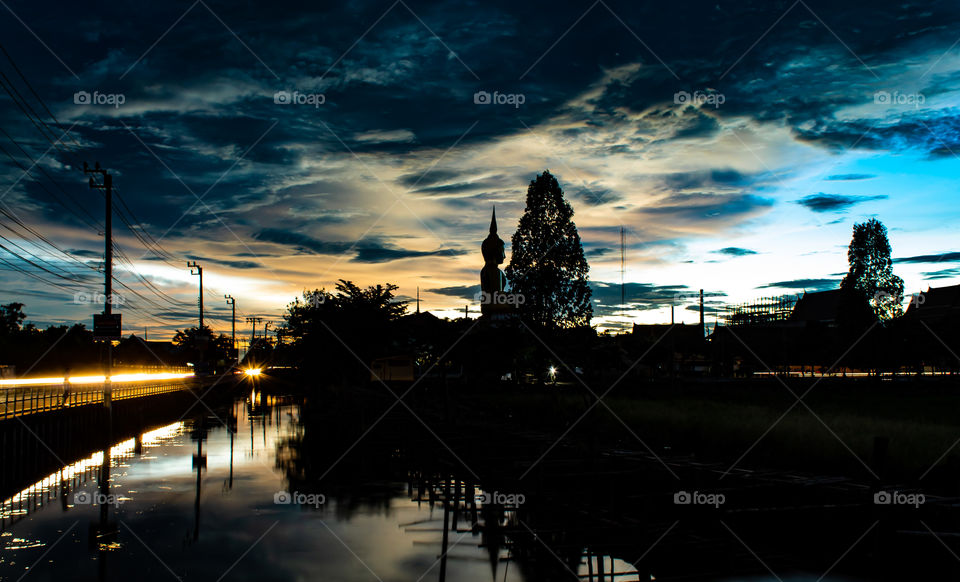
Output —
(124, 211)
(35, 94)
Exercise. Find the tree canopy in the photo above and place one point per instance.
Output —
(871, 270)
(193, 342)
(343, 331)
(547, 265)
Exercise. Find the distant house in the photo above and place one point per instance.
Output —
(831, 308)
(136, 351)
(936, 304)
(927, 331)
(822, 327)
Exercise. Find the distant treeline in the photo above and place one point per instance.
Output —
(58, 350)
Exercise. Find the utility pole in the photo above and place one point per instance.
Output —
(702, 334)
(233, 320)
(107, 188)
(193, 265)
(254, 321)
(623, 297)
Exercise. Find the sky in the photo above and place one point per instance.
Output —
(284, 146)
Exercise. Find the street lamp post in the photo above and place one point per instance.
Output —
(199, 271)
(233, 321)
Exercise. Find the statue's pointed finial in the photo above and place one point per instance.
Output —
(493, 221)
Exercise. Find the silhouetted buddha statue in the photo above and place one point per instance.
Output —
(492, 279)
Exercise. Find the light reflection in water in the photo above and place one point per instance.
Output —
(203, 500)
(77, 474)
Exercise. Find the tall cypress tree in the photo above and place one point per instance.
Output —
(871, 269)
(547, 265)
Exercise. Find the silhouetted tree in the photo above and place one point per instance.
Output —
(871, 270)
(547, 265)
(47, 351)
(343, 331)
(11, 316)
(193, 342)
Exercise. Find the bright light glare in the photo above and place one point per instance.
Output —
(96, 379)
(87, 379)
(148, 377)
(28, 381)
(252, 371)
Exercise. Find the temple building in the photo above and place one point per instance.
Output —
(495, 303)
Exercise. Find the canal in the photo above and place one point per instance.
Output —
(265, 486)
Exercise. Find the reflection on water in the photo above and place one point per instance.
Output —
(76, 475)
(268, 488)
(196, 499)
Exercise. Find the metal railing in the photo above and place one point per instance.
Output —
(24, 400)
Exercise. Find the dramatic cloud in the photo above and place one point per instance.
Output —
(364, 251)
(380, 254)
(643, 296)
(289, 160)
(808, 284)
(938, 258)
(834, 202)
(849, 177)
(229, 263)
(943, 274)
(302, 242)
(735, 251)
(468, 292)
(688, 208)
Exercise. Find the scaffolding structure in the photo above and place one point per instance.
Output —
(763, 311)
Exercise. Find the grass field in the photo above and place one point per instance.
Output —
(760, 424)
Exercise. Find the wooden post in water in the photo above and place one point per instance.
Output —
(446, 529)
